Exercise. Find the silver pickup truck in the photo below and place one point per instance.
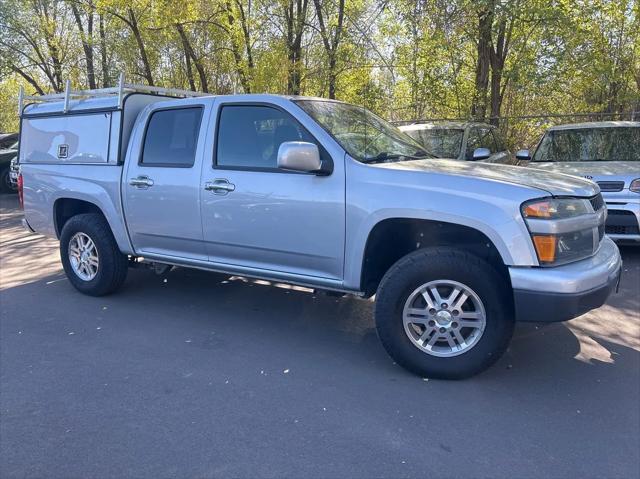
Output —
(317, 193)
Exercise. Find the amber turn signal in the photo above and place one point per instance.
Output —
(540, 209)
(545, 247)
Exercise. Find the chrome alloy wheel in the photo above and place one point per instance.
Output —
(83, 256)
(444, 318)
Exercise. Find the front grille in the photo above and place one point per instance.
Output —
(611, 186)
(597, 202)
(622, 230)
(622, 222)
(621, 213)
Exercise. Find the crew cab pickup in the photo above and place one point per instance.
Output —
(318, 193)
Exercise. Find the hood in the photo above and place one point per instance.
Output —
(594, 170)
(552, 183)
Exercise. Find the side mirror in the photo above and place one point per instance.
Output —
(523, 155)
(299, 156)
(481, 154)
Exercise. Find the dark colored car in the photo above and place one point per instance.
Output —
(6, 155)
(7, 139)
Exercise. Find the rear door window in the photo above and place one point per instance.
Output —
(172, 137)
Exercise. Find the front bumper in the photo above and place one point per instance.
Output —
(565, 292)
(623, 220)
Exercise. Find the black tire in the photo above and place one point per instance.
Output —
(112, 266)
(439, 263)
(5, 182)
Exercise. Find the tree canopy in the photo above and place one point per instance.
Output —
(404, 59)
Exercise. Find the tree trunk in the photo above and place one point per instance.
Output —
(296, 16)
(332, 76)
(54, 53)
(187, 56)
(106, 81)
(133, 24)
(485, 21)
(236, 50)
(87, 43)
(496, 92)
(196, 61)
(330, 43)
(246, 35)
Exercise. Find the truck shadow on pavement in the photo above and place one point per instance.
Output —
(251, 313)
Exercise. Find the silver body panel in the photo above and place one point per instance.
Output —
(571, 278)
(289, 226)
(164, 219)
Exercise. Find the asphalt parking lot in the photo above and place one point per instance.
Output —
(196, 375)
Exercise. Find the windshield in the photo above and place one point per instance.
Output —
(365, 136)
(442, 142)
(590, 144)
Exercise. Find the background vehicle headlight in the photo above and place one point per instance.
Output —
(562, 229)
(635, 185)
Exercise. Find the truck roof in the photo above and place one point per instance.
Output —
(596, 124)
(112, 102)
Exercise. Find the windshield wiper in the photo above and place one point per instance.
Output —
(386, 156)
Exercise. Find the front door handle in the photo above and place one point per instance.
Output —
(220, 186)
(141, 182)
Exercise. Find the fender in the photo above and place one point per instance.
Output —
(98, 186)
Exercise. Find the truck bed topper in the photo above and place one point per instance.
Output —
(119, 92)
(85, 126)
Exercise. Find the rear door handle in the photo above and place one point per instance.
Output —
(141, 182)
(220, 186)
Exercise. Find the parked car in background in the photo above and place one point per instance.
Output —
(6, 155)
(14, 171)
(7, 139)
(606, 152)
(461, 141)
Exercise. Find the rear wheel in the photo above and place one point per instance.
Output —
(444, 313)
(90, 255)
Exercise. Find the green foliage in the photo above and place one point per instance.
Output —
(404, 59)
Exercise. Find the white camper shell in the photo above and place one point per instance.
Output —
(87, 126)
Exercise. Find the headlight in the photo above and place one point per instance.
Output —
(635, 186)
(556, 208)
(563, 229)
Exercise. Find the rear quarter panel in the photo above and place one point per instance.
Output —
(44, 184)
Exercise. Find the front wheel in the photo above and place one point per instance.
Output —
(444, 313)
(90, 255)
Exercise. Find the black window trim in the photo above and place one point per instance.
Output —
(324, 154)
(198, 106)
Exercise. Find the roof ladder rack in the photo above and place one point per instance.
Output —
(120, 91)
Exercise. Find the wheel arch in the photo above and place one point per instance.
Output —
(394, 237)
(66, 207)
